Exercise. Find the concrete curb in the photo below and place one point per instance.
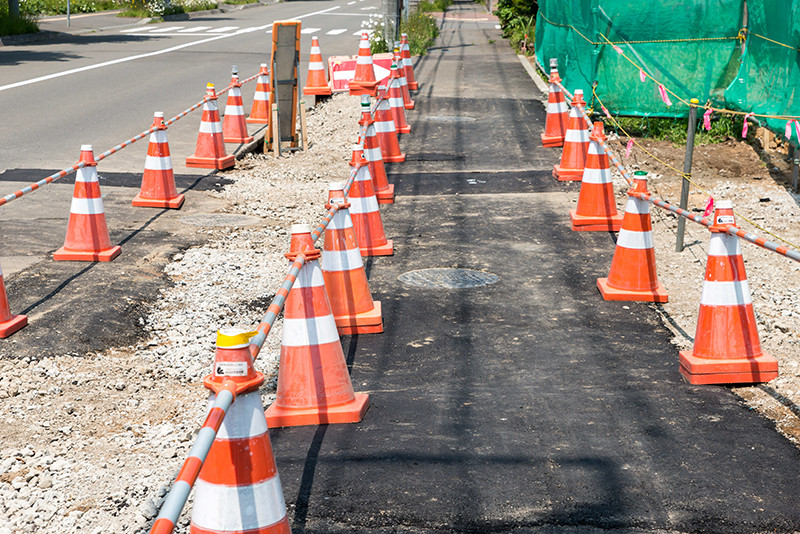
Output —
(534, 75)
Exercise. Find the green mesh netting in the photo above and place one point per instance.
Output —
(699, 61)
(769, 78)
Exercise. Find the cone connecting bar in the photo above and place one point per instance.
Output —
(772, 246)
(176, 498)
(69, 170)
(277, 305)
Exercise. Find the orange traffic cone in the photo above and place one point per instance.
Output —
(408, 67)
(262, 103)
(387, 133)
(726, 349)
(396, 105)
(238, 488)
(364, 211)
(408, 103)
(384, 191)
(633, 269)
(555, 127)
(210, 152)
(87, 233)
(345, 280)
(576, 143)
(363, 82)
(158, 181)
(234, 127)
(316, 83)
(313, 381)
(10, 323)
(597, 209)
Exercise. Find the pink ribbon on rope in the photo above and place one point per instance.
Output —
(628, 148)
(617, 49)
(788, 131)
(642, 76)
(745, 126)
(709, 207)
(664, 95)
(606, 112)
(797, 129)
(707, 119)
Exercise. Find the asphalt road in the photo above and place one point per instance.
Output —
(102, 88)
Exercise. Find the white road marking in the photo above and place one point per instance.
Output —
(223, 29)
(128, 30)
(351, 3)
(167, 29)
(306, 31)
(359, 32)
(367, 8)
(195, 29)
(335, 32)
(149, 54)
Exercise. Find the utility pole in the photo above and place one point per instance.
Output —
(13, 8)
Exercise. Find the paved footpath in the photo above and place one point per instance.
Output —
(529, 405)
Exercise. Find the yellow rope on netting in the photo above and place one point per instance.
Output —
(685, 40)
(686, 176)
(776, 42)
(687, 103)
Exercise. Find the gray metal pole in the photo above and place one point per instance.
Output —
(68, 10)
(13, 8)
(687, 169)
(795, 164)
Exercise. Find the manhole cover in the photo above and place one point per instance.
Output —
(220, 219)
(448, 278)
(450, 118)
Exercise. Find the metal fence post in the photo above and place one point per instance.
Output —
(795, 163)
(687, 170)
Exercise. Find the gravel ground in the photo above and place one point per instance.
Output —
(113, 429)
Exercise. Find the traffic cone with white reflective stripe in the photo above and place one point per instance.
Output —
(408, 103)
(395, 95)
(364, 211)
(316, 83)
(345, 279)
(158, 182)
(10, 323)
(210, 151)
(238, 488)
(408, 66)
(384, 191)
(364, 82)
(234, 127)
(314, 384)
(576, 144)
(385, 128)
(727, 349)
(87, 232)
(633, 269)
(555, 127)
(597, 209)
(262, 100)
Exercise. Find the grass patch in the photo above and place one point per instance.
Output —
(17, 25)
(428, 6)
(723, 128)
(240, 2)
(421, 28)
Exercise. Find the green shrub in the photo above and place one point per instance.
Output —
(518, 21)
(59, 7)
(17, 25)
